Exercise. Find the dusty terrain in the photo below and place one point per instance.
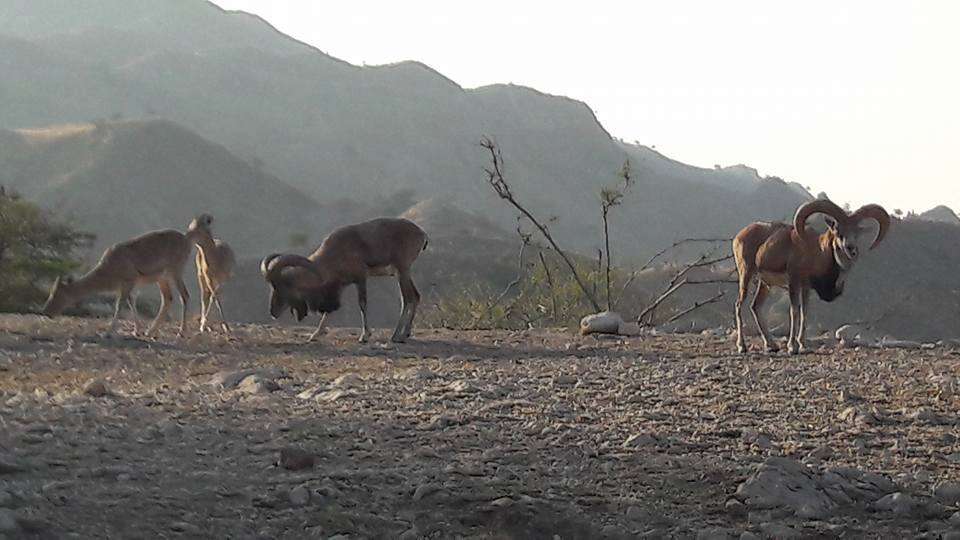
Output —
(538, 434)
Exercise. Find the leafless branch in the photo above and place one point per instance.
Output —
(636, 273)
(524, 242)
(710, 281)
(678, 281)
(696, 306)
(609, 198)
(553, 293)
(502, 189)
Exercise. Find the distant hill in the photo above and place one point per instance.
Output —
(941, 214)
(118, 179)
(338, 131)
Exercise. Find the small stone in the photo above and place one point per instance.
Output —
(779, 531)
(947, 492)
(8, 521)
(441, 421)
(735, 507)
(640, 439)
(418, 374)
(714, 534)
(898, 503)
(424, 490)
(96, 388)
(348, 380)
(295, 459)
(299, 496)
(753, 437)
(413, 533)
(335, 395)
(461, 387)
(185, 528)
(502, 502)
(955, 519)
(635, 513)
(255, 384)
(747, 535)
(821, 452)
(8, 466)
(6, 499)
(228, 380)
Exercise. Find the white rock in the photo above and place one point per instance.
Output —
(255, 384)
(230, 379)
(606, 322)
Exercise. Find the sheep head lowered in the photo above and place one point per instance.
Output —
(298, 283)
(798, 259)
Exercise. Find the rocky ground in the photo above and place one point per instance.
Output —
(537, 434)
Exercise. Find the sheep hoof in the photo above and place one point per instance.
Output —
(741, 348)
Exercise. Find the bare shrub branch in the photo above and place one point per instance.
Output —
(697, 305)
(636, 273)
(502, 188)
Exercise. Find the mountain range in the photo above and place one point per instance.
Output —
(129, 115)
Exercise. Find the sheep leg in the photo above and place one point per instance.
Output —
(761, 295)
(321, 328)
(184, 302)
(166, 297)
(362, 301)
(223, 319)
(134, 316)
(793, 344)
(410, 297)
(121, 300)
(746, 276)
(802, 332)
(415, 302)
(204, 306)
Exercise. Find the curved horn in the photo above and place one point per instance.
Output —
(876, 213)
(819, 206)
(265, 263)
(285, 261)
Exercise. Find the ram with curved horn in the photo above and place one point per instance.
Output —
(348, 256)
(798, 259)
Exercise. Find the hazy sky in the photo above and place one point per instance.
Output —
(856, 98)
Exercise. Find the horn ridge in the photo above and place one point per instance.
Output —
(819, 206)
(876, 213)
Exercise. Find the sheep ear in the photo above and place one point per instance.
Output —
(831, 223)
(67, 280)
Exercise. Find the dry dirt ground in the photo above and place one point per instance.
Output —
(488, 434)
